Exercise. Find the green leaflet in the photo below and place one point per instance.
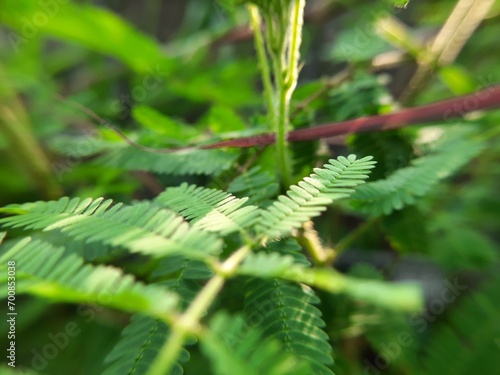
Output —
(142, 338)
(285, 310)
(81, 146)
(185, 162)
(397, 296)
(46, 271)
(406, 184)
(336, 180)
(399, 3)
(473, 331)
(142, 228)
(209, 209)
(222, 119)
(265, 265)
(138, 347)
(236, 348)
(118, 155)
(256, 184)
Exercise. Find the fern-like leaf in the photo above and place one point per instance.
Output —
(49, 272)
(473, 332)
(143, 228)
(237, 348)
(285, 310)
(185, 162)
(391, 149)
(256, 184)
(405, 185)
(209, 209)
(285, 262)
(335, 181)
(138, 347)
(264, 264)
(95, 252)
(143, 337)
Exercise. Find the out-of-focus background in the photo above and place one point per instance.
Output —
(193, 61)
(186, 57)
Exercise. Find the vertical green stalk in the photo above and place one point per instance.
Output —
(256, 23)
(282, 39)
(281, 125)
(288, 78)
(189, 321)
(297, 21)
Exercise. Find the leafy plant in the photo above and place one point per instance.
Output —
(221, 247)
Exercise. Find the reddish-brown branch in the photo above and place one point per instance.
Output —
(441, 111)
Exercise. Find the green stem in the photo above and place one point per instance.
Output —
(297, 21)
(283, 36)
(286, 76)
(355, 234)
(256, 23)
(188, 322)
(281, 125)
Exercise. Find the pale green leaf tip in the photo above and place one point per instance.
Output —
(400, 3)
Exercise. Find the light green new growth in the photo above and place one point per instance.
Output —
(281, 39)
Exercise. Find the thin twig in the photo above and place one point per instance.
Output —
(458, 28)
(488, 98)
(439, 111)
